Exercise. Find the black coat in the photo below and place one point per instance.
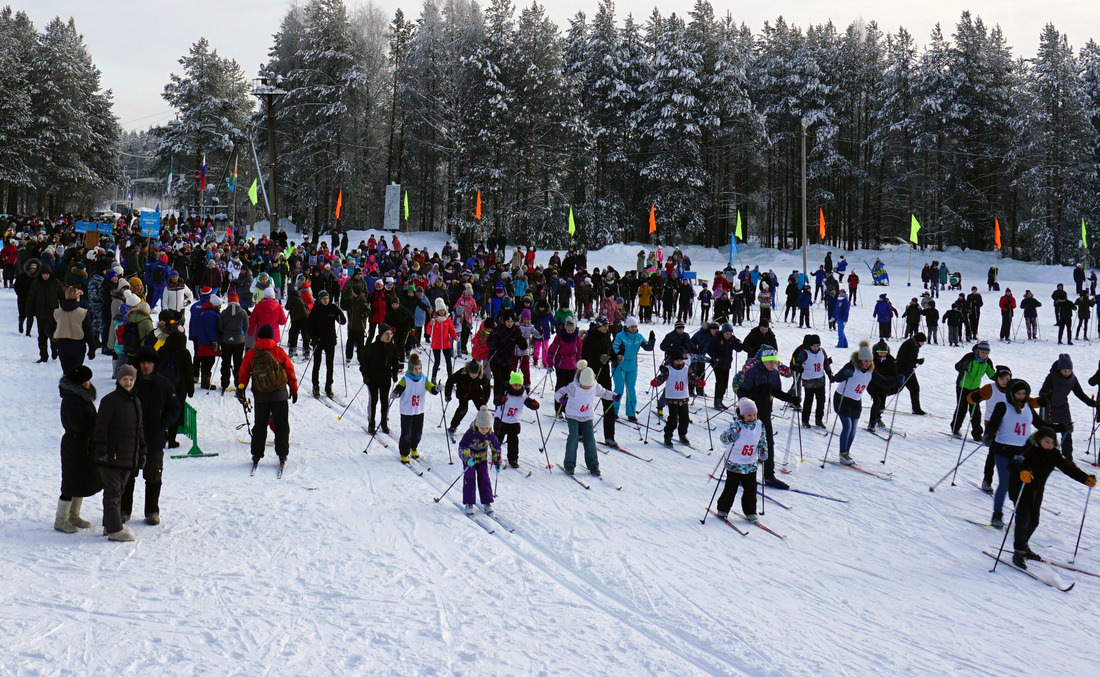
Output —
(908, 354)
(503, 345)
(119, 438)
(322, 323)
(44, 296)
(378, 362)
(79, 476)
(754, 340)
(159, 405)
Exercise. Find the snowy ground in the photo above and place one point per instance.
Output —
(347, 565)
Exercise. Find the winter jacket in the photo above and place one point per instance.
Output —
(79, 476)
(721, 351)
(479, 345)
(596, 349)
(565, 350)
(1007, 304)
(205, 331)
(358, 309)
(160, 408)
(177, 296)
(232, 324)
(44, 295)
(971, 370)
(442, 332)
(504, 345)
(245, 372)
(465, 387)
(760, 385)
(884, 311)
(1030, 306)
(678, 340)
(1054, 395)
(1041, 463)
(479, 447)
(754, 341)
(269, 312)
(322, 324)
(296, 306)
(119, 434)
(908, 356)
(842, 309)
(378, 365)
(628, 344)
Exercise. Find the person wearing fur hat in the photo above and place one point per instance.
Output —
(79, 476)
(972, 368)
(73, 335)
(578, 400)
(1054, 395)
(1033, 467)
(678, 380)
(854, 378)
(1009, 429)
(507, 415)
(745, 445)
(411, 390)
(273, 383)
(119, 448)
(478, 447)
(441, 332)
(471, 385)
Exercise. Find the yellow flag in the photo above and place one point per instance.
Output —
(406, 205)
(252, 192)
(572, 225)
(739, 236)
(914, 228)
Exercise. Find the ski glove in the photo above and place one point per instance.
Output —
(920, 360)
(470, 462)
(1026, 476)
(654, 383)
(294, 398)
(763, 456)
(1018, 459)
(604, 358)
(241, 394)
(702, 383)
(1090, 481)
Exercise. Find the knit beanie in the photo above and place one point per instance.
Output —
(125, 370)
(484, 418)
(864, 352)
(745, 405)
(587, 378)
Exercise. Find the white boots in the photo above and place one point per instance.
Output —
(61, 518)
(74, 514)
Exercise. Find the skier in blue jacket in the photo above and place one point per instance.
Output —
(626, 346)
(840, 314)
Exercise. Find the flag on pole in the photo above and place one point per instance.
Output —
(202, 173)
(652, 218)
(252, 192)
(232, 180)
(406, 205)
(339, 202)
(996, 232)
(572, 224)
(168, 190)
(477, 210)
(733, 246)
(914, 228)
(739, 235)
(1084, 235)
(821, 223)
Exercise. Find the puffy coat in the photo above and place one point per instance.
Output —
(119, 437)
(44, 295)
(565, 350)
(204, 331)
(233, 324)
(267, 311)
(504, 345)
(79, 476)
(442, 332)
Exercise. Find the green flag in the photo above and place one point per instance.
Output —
(406, 205)
(739, 236)
(572, 225)
(1084, 235)
(914, 228)
(252, 192)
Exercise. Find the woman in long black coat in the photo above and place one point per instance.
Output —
(79, 475)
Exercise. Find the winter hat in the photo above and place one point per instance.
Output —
(266, 332)
(712, 325)
(680, 324)
(484, 418)
(134, 281)
(143, 307)
(1017, 385)
(882, 347)
(1045, 431)
(131, 299)
(498, 288)
(383, 328)
(919, 337)
(864, 352)
(675, 354)
(631, 322)
(125, 370)
(440, 305)
(147, 354)
(570, 321)
(515, 379)
(216, 301)
(581, 365)
(233, 298)
(745, 405)
(769, 354)
(1001, 370)
(764, 323)
(1064, 362)
(525, 314)
(587, 379)
(206, 291)
(727, 328)
(508, 314)
(322, 294)
(414, 360)
(811, 340)
(473, 367)
(982, 346)
(882, 297)
(79, 374)
(269, 293)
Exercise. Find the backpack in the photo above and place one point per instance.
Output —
(267, 374)
(158, 275)
(740, 376)
(131, 340)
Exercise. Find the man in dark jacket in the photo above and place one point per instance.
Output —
(677, 339)
(1054, 397)
(43, 298)
(378, 364)
(160, 408)
(760, 384)
(721, 353)
(973, 313)
(471, 386)
(119, 448)
(761, 337)
(322, 330)
(908, 359)
(27, 276)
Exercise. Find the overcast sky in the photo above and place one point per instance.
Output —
(137, 43)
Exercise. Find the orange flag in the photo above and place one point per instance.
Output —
(821, 223)
(339, 202)
(996, 232)
(477, 210)
(652, 218)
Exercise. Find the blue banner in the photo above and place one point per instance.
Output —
(83, 226)
(150, 224)
(106, 228)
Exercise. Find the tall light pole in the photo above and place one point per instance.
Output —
(805, 264)
(268, 90)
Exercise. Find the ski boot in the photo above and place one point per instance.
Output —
(316, 391)
(997, 521)
(594, 471)
(1019, 559)
(468, 508)
(987, 487)
(775, 483)
(753, 518)
(632, 419)
(611, 443)
(405, 459)
(722, 515)
(328, 392)
(846, 459)
(1031, 554)
(414, 453)
(487, 508)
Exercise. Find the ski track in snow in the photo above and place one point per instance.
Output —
(347, 565)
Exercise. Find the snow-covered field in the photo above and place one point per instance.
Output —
(348, 566)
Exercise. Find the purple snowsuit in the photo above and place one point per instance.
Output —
(476, 446)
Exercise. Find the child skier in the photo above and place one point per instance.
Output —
(411, 389)
(1009, 429)
(472, 387)
(1039, 459)
(578, 400)
(814, 365)
(854, 378)
(991, 394)
(506, 421)
(677, 379)
(475, 449)
(972, 367)
(745, 444)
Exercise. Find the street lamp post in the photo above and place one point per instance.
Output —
(268, 90)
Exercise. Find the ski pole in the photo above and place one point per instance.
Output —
(801, 458)
(460, 474)
(716, 486)
(756, 478)
(1008, 528)
(350, 402)
(1082, 529)
(833, 430)
(710, 434)
(450, 459)
(548, 437)
(938, 483)
(961, 447)
(790, 434)
(549, 467)
(496, 481)
(344, 354)
(894, 416)
(369, 442)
